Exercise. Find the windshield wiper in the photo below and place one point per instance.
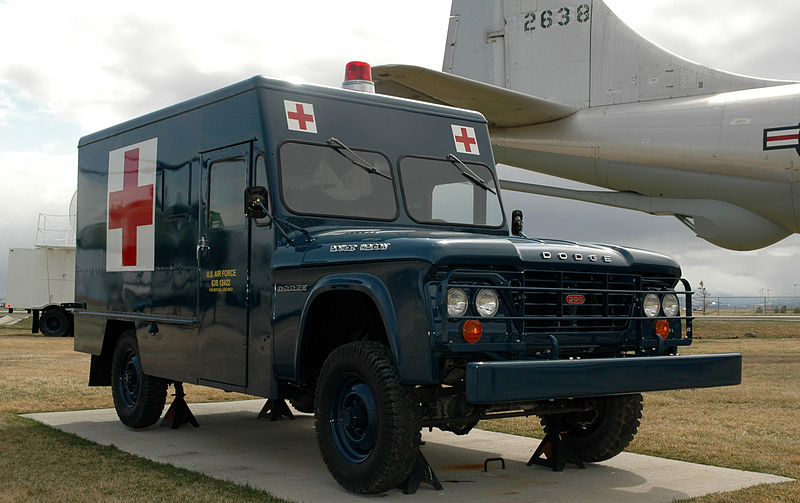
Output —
(469, 174)
(358, 161)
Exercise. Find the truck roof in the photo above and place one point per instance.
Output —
(260, 82)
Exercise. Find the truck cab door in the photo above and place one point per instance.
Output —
(222, 255)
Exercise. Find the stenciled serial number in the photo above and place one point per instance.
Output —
(219, 280)
(561, 17)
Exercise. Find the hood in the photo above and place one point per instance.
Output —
(464, 249)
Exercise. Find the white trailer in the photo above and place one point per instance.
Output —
(41, 280)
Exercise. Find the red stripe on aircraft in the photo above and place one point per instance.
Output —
(784, 137)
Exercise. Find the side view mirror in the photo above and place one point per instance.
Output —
(516, 223)
(255, 202)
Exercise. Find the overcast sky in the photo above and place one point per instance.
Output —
(71, 68)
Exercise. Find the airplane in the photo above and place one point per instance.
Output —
(569, 90)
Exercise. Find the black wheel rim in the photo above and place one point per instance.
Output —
(353, 418)
(129, 379)
(52, 324)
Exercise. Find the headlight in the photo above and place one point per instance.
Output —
(486, 302)
(456, 302)
(651, 305)
(670, 305)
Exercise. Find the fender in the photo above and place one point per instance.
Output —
(364, 283)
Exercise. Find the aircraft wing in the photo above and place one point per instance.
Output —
(719, 222)
(502, 107)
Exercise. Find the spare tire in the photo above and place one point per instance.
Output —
(604, 430)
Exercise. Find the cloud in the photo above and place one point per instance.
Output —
(8, 107)
(32, 183)
(720, 33)
(98, 63)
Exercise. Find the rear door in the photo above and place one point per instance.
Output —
(223, 261)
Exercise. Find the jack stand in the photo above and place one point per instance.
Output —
(422, 472)
(274, 409)
(557, 450)
(178, 413)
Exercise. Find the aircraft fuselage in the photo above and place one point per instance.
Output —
(709, 147)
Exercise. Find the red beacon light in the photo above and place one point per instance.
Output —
(358, 77)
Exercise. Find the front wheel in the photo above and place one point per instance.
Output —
(139, 398)
(367, 422)
(604, 430)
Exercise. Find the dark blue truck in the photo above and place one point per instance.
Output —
(350, 252)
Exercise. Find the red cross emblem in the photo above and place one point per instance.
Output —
(131, 188)
(465, 140)
(300, 116)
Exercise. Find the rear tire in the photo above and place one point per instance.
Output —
(605, 430)
(367, 422)
(139, 398)
(54, 322)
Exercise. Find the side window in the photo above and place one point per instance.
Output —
(226, 184)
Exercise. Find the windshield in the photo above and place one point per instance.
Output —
(329, 180)
(437, 191)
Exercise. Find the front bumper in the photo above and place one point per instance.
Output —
(520, 381)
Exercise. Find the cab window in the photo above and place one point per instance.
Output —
(330, 181)
(438, 191)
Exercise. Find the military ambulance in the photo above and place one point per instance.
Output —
(350, 252)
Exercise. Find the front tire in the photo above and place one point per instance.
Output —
(139, 398)
(367, 422)
(603, 431)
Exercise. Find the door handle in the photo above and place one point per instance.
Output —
(202, 246)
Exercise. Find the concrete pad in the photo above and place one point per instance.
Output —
(282, 457)
(14, 318)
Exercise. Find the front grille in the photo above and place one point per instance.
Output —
(607, 301)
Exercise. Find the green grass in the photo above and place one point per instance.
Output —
(42, 464)
(38, 463)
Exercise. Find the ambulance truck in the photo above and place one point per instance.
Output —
(350, 252)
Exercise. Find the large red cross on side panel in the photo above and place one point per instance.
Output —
(466, 140)
(131, 207)
(301, 117)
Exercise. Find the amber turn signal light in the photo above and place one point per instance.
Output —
(472, 331)
(662, 328)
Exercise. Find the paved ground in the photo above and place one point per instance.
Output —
(282, 458)
(13, 318)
